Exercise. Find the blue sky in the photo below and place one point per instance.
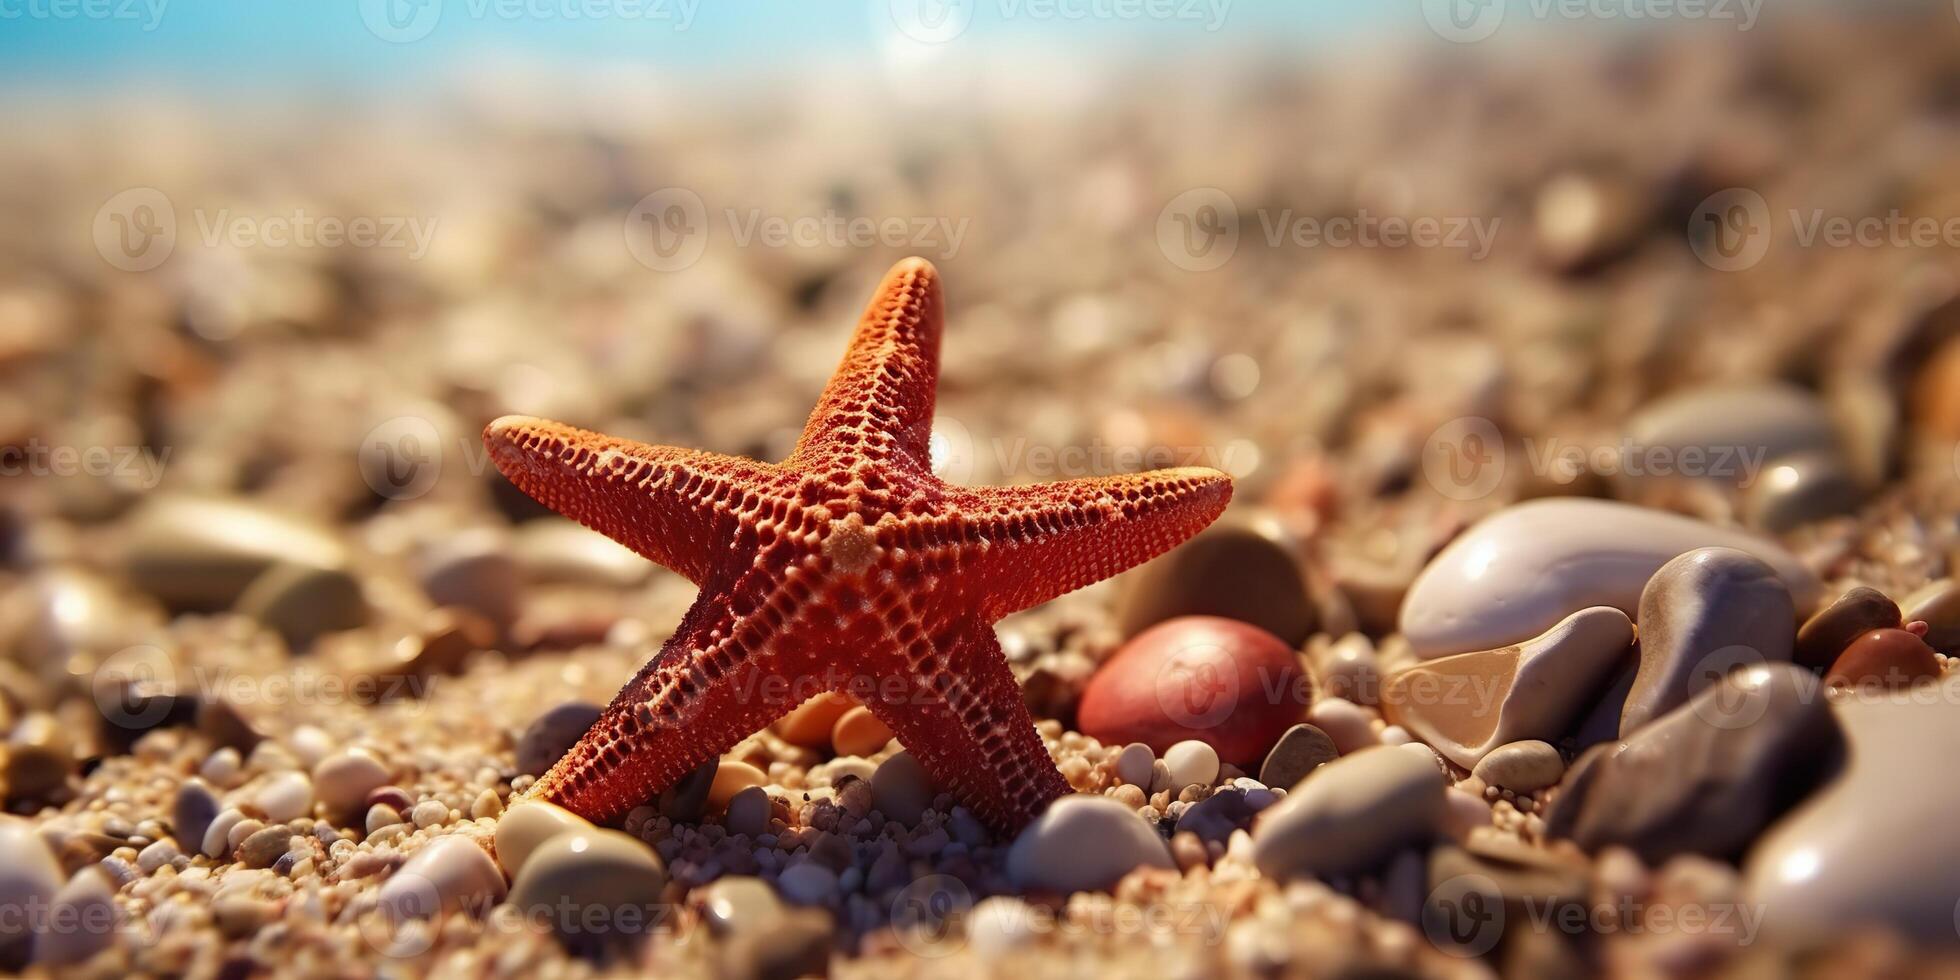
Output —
(245, 44)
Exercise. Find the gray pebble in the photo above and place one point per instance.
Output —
(553, 734)
(1704, 613)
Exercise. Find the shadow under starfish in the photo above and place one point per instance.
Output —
(848, 567)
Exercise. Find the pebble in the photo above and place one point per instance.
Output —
(859, 732)
(285, 796)
(1084, 843)
(810, 724)
(199, 554)
(1708, 776)
(900, 789)
(738, 903)
(748, 812)
(1884, 658)
(474, 571)
(1518, 888)
(157, 854)
(29, 878)
(1467, 704)
(684, 801)
(1520, 571)
(1134, 764)
(1191, 763)
(303, 602)
(1872, 847)
(1522, 767)
(343, 780)
(1463, 813)
(1350, 815)
(528, 824)
(1245, 567)
(1938, 606)
(217, 835)
(40, 756)
(381, 815)
(1703, 613)
(1734, 427)
(193, 810)
(731, 777)
(83, 920)
(448, 874)
(1796, 490)
(429, 813)
(553, 734)
(557, 550)
(1826, 634)
(798, 946)
(808, 883)
(222, 766)
(1214, 818)
(265, 846)
(1302, 749)
(1348, 668)
(225, 724)
(594, 888)
(1223, 682)
(1349, 725)
(1000, 924)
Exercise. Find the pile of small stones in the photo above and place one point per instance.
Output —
(278, 711)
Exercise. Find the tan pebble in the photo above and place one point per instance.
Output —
(859, 732)
(381, 815)
(487, 805)
(732, 778)
(810, 724)
(527, 824)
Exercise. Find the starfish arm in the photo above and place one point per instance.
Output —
(878, 406)
(680, 508)
(722, 677)
(959, 711)
(1049, 539)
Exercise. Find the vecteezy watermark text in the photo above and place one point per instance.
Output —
(669, 230)
(403, 21)
(1734, 229)
(1467, 458)
(1469, 21)
(939, 21)
(147, 14)
(1200, 229)
(137, 466)
(137, 230)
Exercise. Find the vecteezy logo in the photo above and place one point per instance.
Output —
(1464, 915)
(401, 458)
(667, 230)
(1735, 672)
(136, 687)
(401, 21)
(1730, 231)
(1193, 690)
(1199, 229)
(136, 230)
(927, 915)
(1464, 458)
(1465, 21)
(932, 21)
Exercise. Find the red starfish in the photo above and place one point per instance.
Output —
(847, 567)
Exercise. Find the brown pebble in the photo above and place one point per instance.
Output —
(1826, 634)
(1889, 658)
(264, 847)
(859, 732)
(809, 724)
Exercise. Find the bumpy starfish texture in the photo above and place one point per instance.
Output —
(848, 567)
